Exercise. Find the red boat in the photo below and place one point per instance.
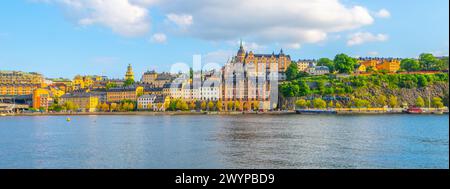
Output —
(414, 110)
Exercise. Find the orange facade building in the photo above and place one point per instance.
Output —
(390, 65)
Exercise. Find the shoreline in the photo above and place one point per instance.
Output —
(212, 113)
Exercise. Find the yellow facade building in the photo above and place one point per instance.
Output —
(361, 68)
(84, 101)
(83, 82)
(391, 65)
(41, 99)
(124, 93)
(149, 77)
(18, 89)
(17, 77)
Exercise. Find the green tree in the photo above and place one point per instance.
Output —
(237, 105)
(301, 103)
(409, 64)
(420, 102)
(428, 61)
(330, 104)
(344, 64)
(219, 105)
(192, 105)
(128, 82)
(203, 105)
(255, 105)
(131, 107)
(110, 85)
(360, 103)
(69, 105)
(184, 106)
(436, 102)
(381, 100)
(292, 72)
(393, 101)
(179, 105)
(319, 103)
(113, 107)
(338, 105)
(210, 106)
(422, 81)
(304, 89)
(191, 73)
(321, 86)
(326, 62)
(289, 89)
(444, 63)
(230, 106)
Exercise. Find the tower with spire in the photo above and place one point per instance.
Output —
(129, 74)
(241, 53)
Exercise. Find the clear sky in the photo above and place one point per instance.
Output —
(62, 38)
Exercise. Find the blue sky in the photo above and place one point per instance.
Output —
(62, 38)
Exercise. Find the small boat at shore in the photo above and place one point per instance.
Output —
(414, 110)
(438, 112)
(315, 111)
(2, 114)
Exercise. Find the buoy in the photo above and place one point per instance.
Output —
(68, 119)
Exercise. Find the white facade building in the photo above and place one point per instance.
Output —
(145, 102)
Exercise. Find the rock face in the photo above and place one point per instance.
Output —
(409, 96)
(403, 95)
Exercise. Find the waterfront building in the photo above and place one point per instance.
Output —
(18, 89)
(253, 78)
(42, 99)
(129, 74)
(173, 90)
(160, 103)
(146, 102)
(281, 60)
(18, 78)
(101, 95)
(84, 101)
(210, 91)
(124, 93)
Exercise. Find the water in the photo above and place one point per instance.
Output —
(207, 141)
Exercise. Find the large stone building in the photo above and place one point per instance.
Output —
(253, 78)
(149, 77)
(153, 79)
